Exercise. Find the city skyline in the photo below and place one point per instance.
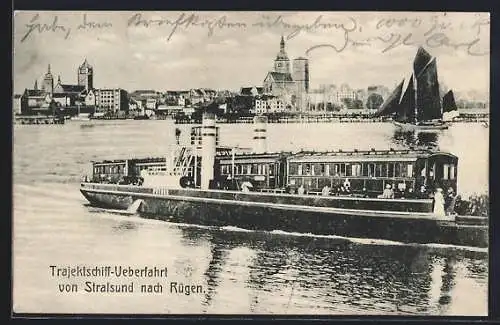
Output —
(183, 56)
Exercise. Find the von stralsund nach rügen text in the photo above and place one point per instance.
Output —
(119, 279)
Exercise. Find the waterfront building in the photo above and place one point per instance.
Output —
(34, 102)
(268, 104)
(16, 105)
(111, 100)
(176, 97)
(90, 98)
(69, 95)
(151, 103)
(251, 91)
(201, 95)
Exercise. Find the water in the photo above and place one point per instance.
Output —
(240, 271)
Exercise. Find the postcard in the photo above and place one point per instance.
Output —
(250, 163)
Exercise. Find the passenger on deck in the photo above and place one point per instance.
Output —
(423, 192)
(325, 191)
(401, 190)
(450, 201)
(388, 192)
(347, 185)
(439, 203)
(301, 190)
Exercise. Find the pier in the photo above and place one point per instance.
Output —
(465, 118)
(38, 120)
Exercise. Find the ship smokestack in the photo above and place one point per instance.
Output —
(208, 143)
(260, 134)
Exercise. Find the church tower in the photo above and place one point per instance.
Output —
(35, 87)
(48, 82)
(282, 62)
(86, 75)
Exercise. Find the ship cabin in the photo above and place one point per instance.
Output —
(125, 171)
(410, 173)
(265, 171)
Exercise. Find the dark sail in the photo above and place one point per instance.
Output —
(449, 102)
(391, 104)
(428, 100)
(406, 113)
(421, 60)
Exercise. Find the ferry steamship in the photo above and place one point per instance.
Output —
(326, 193)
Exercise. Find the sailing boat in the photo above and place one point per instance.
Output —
(450, 110)
(419, 107)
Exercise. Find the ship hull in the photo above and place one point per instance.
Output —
(424, 127)
(305, 214)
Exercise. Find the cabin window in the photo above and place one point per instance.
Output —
(327, 169)
(371, 170)
(403, 172)
(452, 171)
(321, 169)
(293, 168)
(384, 170)
(334, 170)
(224, 170)
(397, 170)
(409, 170)
(271, 169)
(299, 170)
(378, 170)
(348, 170)
(313, 169)
(255, 169)
(356, 169)
(390, 170)
(365, 170)
(249, 169)
(342, 169)
(308, 169)
(446, 169)
(118, 169)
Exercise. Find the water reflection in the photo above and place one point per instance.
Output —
(419, 139)
(125, 226)
(337, 275)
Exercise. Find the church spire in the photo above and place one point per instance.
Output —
(59, 79)
(35, 87)
(282, 44)
(48, 69)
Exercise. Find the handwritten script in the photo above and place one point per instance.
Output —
(338, 34)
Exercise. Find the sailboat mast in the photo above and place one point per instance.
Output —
(414, 78)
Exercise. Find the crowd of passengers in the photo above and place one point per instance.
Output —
(444, 204)
(399, 191)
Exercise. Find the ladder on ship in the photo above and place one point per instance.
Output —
(183, 162)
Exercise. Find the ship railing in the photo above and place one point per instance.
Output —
(160, 190)
(272, 190)
(118, 188)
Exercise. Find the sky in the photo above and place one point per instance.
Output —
(228, 50)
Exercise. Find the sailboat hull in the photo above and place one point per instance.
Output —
(422, 127)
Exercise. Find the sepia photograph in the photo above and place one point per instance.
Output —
(250, 163)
